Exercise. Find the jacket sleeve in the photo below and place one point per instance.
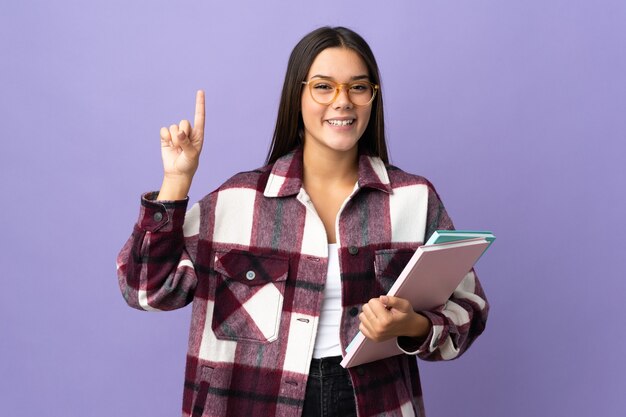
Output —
(456, 324)
(155, 267)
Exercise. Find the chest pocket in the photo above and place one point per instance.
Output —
(249, 295)
(388, 264)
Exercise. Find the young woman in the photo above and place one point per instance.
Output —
(284, 264)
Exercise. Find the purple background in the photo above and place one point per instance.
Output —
(514, 110)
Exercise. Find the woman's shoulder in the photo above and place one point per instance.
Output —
(252, 181)
(400, 178)
(407, 185)
(248, 179)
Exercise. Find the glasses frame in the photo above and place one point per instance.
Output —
(339, 87)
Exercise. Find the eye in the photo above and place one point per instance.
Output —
(360, 87)
(323, 86)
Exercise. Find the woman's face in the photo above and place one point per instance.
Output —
(340, 124)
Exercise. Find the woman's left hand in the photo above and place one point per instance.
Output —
(385, 317)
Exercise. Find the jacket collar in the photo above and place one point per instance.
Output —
(285, 179)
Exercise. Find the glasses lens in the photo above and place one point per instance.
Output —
(323, 91)
(361, 93)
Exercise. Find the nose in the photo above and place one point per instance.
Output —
(343, 98)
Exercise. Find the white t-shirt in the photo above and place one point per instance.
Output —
(327, 341)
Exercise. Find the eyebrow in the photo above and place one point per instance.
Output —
(356, 77)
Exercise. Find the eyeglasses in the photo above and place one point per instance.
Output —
(360, 93)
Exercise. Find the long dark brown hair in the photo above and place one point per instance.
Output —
(288, 133)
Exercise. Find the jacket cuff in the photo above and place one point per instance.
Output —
(162, 215)
(416, 346)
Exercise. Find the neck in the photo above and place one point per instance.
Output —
(328, 166)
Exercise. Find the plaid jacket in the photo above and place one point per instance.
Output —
(252, 257)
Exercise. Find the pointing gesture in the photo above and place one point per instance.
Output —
(181, 145)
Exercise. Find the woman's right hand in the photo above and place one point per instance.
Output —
(180, 150)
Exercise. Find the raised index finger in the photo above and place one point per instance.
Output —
(198, 122)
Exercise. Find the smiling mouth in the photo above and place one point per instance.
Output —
(340, 122)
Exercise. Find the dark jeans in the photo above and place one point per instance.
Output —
(329, 391)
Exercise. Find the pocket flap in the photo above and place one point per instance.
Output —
(251, 268)
(389, 263)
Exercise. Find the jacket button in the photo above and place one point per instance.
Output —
(158, 216)
(354, 311)
(250, 275)
(353, 250)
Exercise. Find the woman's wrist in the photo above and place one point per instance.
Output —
(174, 188)
(420, 326)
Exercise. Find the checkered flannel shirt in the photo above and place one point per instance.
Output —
(252, 258)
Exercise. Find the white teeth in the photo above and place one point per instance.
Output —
(341, 122)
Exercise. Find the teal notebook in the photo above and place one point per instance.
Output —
(443, 236)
